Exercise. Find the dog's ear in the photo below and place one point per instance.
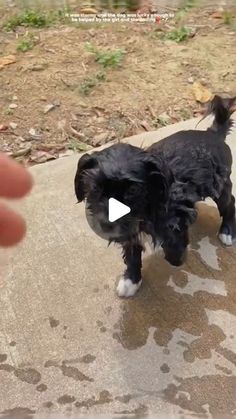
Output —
(85, 163)
(181, 210)
(158, 178)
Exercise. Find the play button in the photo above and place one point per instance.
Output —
(109, 221)
(116, 210)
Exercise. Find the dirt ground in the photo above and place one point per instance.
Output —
(56, 98)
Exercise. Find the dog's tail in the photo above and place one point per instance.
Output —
(222, 109)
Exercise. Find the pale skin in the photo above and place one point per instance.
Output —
(15, 183)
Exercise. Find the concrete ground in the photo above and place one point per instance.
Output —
(69, 344)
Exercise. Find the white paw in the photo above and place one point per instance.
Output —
(126, 288)
(226, 239)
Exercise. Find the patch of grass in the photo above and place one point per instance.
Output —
(227, 17)
(185, 113)
(36, 19)
(90, 82)
(161, 122)
(106, 58)
(178, 35)
(28, 18)
(26, 44)
(8, 111)
(77, 145)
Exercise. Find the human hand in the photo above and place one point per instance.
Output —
(15, 182)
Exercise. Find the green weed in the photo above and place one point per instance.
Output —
(90, 82)
(227, 17)
(77, 145)
(178, 35)
(106, 58)
(26, 44)
(36, 19)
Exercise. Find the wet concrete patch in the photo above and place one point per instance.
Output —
(66, 399)
(48, 405)
(165, 368)
(195, 393)
(41, 388)
(69, 371)
(3, 358)
(87, 359)
(223, 369)
(18, 413)
(165, 309)
(7, 368)
(28, 375)
(53, 322)
(124, 399)
(73, 372)
(104, 398)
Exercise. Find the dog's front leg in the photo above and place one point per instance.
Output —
(131, 281)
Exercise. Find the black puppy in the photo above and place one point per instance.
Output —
(161, 185)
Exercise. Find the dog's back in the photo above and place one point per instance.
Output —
(201, 157)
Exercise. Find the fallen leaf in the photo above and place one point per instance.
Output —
(190, 80)
(21, 152)
(23, 140)
(41, 157)
(35, 135)
(201, 93)
(13, 106)
(50, 106)
(145, 125)
(150, 109)
(8, 59)
(3, 127)
(13, 125)
(78, 134)
(100, 139)
(98, 110)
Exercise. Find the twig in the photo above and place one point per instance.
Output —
(67, 84)
(79, 135)
(9, 133)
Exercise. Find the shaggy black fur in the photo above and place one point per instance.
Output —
(161, 185)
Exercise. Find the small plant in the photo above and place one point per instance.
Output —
(36, 19)
(28, 18)
(90, 82)
(106, 58)
(8, 111)
(178, 35)
(185, 113)
(227, 17)
(77, 145)
(161, 121)
(26, 44)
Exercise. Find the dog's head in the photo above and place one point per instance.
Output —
(128, 174)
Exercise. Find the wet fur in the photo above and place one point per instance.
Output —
(162, 185)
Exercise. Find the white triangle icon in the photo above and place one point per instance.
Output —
(116, 210)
